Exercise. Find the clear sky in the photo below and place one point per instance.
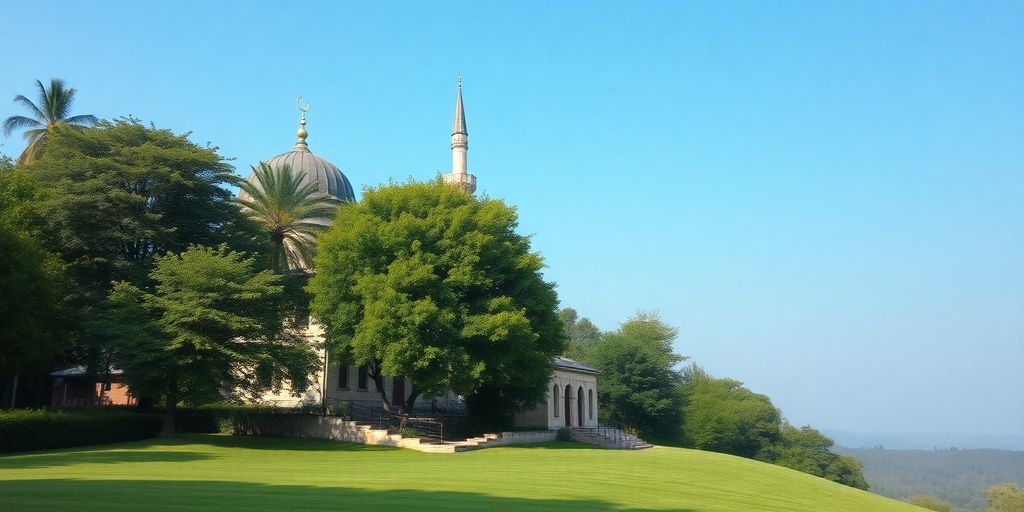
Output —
(827, 198)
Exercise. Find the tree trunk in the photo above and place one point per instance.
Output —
(14, 392)
(410, 401)
(172, 404)
(378, 383)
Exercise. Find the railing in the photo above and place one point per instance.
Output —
(412, 426)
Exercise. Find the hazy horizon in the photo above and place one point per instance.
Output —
(826, 199)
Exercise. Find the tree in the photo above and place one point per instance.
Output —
(211, 323)
(52, 111)
(108, 199)
(31, 286)
(930, 503)
(639, 380)
(807, 450)
(723, 416)
(1005, 498)
(582, 335)
(290, 210)
(428, 282)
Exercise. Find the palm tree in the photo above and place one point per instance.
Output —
(53, 109)
(291, 210)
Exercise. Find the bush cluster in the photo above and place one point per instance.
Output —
(40, 429)
(221, 418)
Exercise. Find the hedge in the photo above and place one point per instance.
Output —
(40, 429)
(221, 418)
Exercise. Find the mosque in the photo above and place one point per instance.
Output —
(571, 399)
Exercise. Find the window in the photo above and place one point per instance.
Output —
(590, 403)
(363, 370)
(554, 398)
(343, 376)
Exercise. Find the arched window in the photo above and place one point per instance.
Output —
(579, 406)
(590, 403)
(554, 398)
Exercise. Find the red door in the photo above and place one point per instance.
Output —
(568, 405)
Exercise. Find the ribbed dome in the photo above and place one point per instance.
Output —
(328, 177)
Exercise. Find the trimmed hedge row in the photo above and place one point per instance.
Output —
(40, 429)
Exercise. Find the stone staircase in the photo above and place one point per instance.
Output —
(367, 434)
(607, 437)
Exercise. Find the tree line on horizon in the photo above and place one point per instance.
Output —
(644, 387)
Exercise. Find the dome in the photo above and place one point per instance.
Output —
(328, 178)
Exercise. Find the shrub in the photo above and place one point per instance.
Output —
(221, 418)
(563, 434)
(40, 429)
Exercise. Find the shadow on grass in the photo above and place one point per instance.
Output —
(108, 456)
(271, 443)
(200, 495)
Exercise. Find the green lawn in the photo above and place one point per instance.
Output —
(208, 472)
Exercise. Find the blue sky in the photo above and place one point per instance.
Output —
(827, 198)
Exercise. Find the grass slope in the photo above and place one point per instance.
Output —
(208, 472)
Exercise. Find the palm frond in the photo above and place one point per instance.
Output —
(18, 122)
(27, 103)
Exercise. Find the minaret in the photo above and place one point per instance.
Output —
(460, 148)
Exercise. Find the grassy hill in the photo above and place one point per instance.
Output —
(207, 472)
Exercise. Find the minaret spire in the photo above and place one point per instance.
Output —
(460, 148)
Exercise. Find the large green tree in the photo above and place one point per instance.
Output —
(108, 199)
(290, 210)
(31, 288)
(211, 323)
(723, 416)
(53, 110)
(638, 386)
(428, 282)
(807, 450)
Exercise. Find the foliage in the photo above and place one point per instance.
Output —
(805, 449)
(5, 162)
(247, 474)
(51, 111)
(954, 475)
(220, 418)
(290, 210)
(930, 503)
(723, 416)
(638, 387)
(1005, 498)
(212, 323)
(31, 287)
(37, 429)
(582, 335)
(426, 281)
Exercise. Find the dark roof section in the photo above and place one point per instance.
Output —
(80, 371)
(568, 364)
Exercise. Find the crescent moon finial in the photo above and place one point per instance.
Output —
(298, 103)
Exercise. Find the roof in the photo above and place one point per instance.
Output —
(328, 178)
(459, 123)
(81, 371)
(565, 363)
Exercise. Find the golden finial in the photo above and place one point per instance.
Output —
(302, 133)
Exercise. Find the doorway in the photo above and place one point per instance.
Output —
(568, 405)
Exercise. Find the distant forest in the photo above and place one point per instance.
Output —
(955, 475)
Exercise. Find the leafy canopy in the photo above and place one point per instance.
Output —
(638, 386)
(425, 281)
(211, 323)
